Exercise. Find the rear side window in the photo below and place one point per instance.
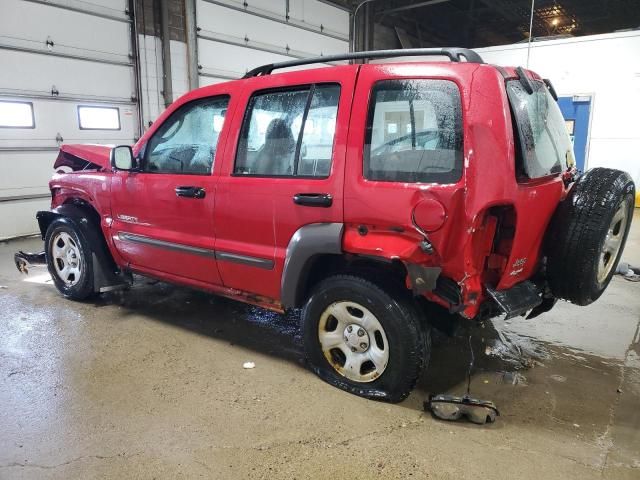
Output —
(414, 132)
(544, 146)
(186, 142)
(289, 133)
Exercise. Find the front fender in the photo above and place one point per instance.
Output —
(106, 271)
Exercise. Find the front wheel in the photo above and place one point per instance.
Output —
(69, 259)
(362, 339)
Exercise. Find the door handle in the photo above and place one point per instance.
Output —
(191, 192)
(323, 200)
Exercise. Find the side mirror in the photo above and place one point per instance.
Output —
(122, 158)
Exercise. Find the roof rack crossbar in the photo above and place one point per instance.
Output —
(454, 54)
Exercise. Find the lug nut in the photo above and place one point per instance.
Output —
(363, 345)
(346, 339)
(360, 332)
(353, 349)
(349, 329)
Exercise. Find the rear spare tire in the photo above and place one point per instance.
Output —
(588, 233)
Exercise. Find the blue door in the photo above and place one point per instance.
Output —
(575, 111)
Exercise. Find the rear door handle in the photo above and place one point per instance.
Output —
(323, 200)
(191, 192)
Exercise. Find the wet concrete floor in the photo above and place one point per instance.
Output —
(149, 383)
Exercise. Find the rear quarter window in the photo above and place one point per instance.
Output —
(544, 146)
(414, 132)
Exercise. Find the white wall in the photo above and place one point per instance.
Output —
(607, 67)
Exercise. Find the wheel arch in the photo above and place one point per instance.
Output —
(85, 217)
(315, 253)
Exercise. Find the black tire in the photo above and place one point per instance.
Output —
(578, 232)
(408, 341)
(79, 288)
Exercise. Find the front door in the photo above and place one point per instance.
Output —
(575, 111)
(283, 169)
(163, 214)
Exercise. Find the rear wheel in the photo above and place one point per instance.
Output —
(69, 259)
(363, 339)
(588, 234)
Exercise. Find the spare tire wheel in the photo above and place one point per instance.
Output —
(588, 233)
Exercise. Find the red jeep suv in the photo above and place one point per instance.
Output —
(369, 195)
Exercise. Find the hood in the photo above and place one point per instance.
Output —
(84, 157)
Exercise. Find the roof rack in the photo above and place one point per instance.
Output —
(455, 54)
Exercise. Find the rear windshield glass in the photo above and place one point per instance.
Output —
(414, 132)
(544, 146)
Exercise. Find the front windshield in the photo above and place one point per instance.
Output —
(545, 146)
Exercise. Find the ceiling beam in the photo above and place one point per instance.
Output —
(410, 6)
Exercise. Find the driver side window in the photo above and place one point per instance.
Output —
(186, 142)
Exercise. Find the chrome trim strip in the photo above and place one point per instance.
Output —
(132, 237)
(245, 260)
(205, 252)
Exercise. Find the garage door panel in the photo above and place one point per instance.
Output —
(310, 14)
(98, 6)
(318, 13)
(236, 60)
(26, 173)
(19, 217)
(206, 80)
(217, 19)
(28, 71)
(53, 117)
(30, 25)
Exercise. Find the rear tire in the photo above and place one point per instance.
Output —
(363, 339)
(588, 233)
(69, 259)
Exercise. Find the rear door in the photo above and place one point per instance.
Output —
(283, 169)
(163, 214)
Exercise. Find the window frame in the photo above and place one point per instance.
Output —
(442, 178)
(117, 109)
(33, 115)
(145, 150)
(245, 127)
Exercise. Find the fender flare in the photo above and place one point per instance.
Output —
(306, 243)
(105, 271)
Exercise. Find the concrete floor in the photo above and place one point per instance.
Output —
(149, 384)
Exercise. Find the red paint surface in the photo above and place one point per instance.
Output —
(257, 217)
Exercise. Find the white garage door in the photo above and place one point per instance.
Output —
(67, 76)
(236, 36)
